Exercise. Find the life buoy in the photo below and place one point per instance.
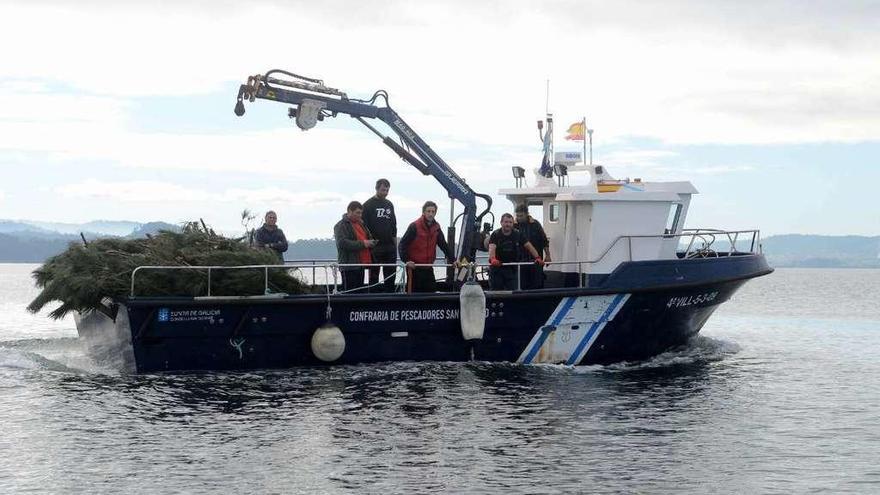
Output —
(328, 343)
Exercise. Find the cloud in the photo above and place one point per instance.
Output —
(282, 151)
(98, 130)
(163, 192)
(133, 191)
(665, 74)
(32, 102)
(721, 169)
(697, 73)
(305, 213)
(638, 158)
(770, 23)
(22, 86)
(271, 195)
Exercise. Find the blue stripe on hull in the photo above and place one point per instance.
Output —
(594, 328)
(572, 329)
(545, 330)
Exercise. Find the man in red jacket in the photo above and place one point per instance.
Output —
(418, 246)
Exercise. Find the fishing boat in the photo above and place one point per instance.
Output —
(630, 281)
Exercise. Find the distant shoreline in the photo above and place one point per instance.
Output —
(28, 243)
(816, 267)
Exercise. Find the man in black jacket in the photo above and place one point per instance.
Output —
(531, 229)
(379, 217)
(505, 246)
(271, 237)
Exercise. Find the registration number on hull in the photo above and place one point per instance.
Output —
(695, 300)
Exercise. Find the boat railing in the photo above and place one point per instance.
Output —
(699, 243)
(707, 238)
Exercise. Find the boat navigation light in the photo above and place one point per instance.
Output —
(518, 173)
(560, 171)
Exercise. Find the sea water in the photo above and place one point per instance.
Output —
(780, 393)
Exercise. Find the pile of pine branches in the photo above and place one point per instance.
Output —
(83, 275)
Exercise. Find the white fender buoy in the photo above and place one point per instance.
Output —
(328, 343)
(472, 301)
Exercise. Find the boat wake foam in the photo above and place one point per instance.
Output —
(700, 349)
(25, 360)
(68, 355)
(59, 354)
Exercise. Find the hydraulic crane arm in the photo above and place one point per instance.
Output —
(312, 101)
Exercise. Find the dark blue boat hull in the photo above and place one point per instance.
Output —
(641, 310)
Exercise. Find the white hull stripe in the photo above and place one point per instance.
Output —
(569, 310)
(541, 336)
(595, 329)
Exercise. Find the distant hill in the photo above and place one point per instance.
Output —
(9, 226)
(96, 227)
(793, 250)
(103, 227)
(152, 228)
(25, 241)
(311, 249)
(32, 249)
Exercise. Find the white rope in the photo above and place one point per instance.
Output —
(380, 282)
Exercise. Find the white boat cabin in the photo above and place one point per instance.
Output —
(593, 227)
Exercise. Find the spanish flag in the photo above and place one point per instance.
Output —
(577, 131)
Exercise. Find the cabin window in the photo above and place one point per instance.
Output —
(554, 212)
(673, 218)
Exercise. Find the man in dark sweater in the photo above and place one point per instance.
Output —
(419, 246)
(271, 237)
(380, 219)
(531, 229)
(505, 246)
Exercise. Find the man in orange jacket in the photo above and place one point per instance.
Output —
(353, 244)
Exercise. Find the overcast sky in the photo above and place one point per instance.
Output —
(123, 110)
